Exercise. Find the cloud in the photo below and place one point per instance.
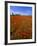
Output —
(28, 12)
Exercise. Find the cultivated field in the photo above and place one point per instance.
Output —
(20, 27)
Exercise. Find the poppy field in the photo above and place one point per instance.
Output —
(20, 27)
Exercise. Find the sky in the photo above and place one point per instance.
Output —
(23, 10)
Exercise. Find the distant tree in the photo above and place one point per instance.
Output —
(12, 13)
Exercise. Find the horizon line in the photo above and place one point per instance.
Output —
(21, 15)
